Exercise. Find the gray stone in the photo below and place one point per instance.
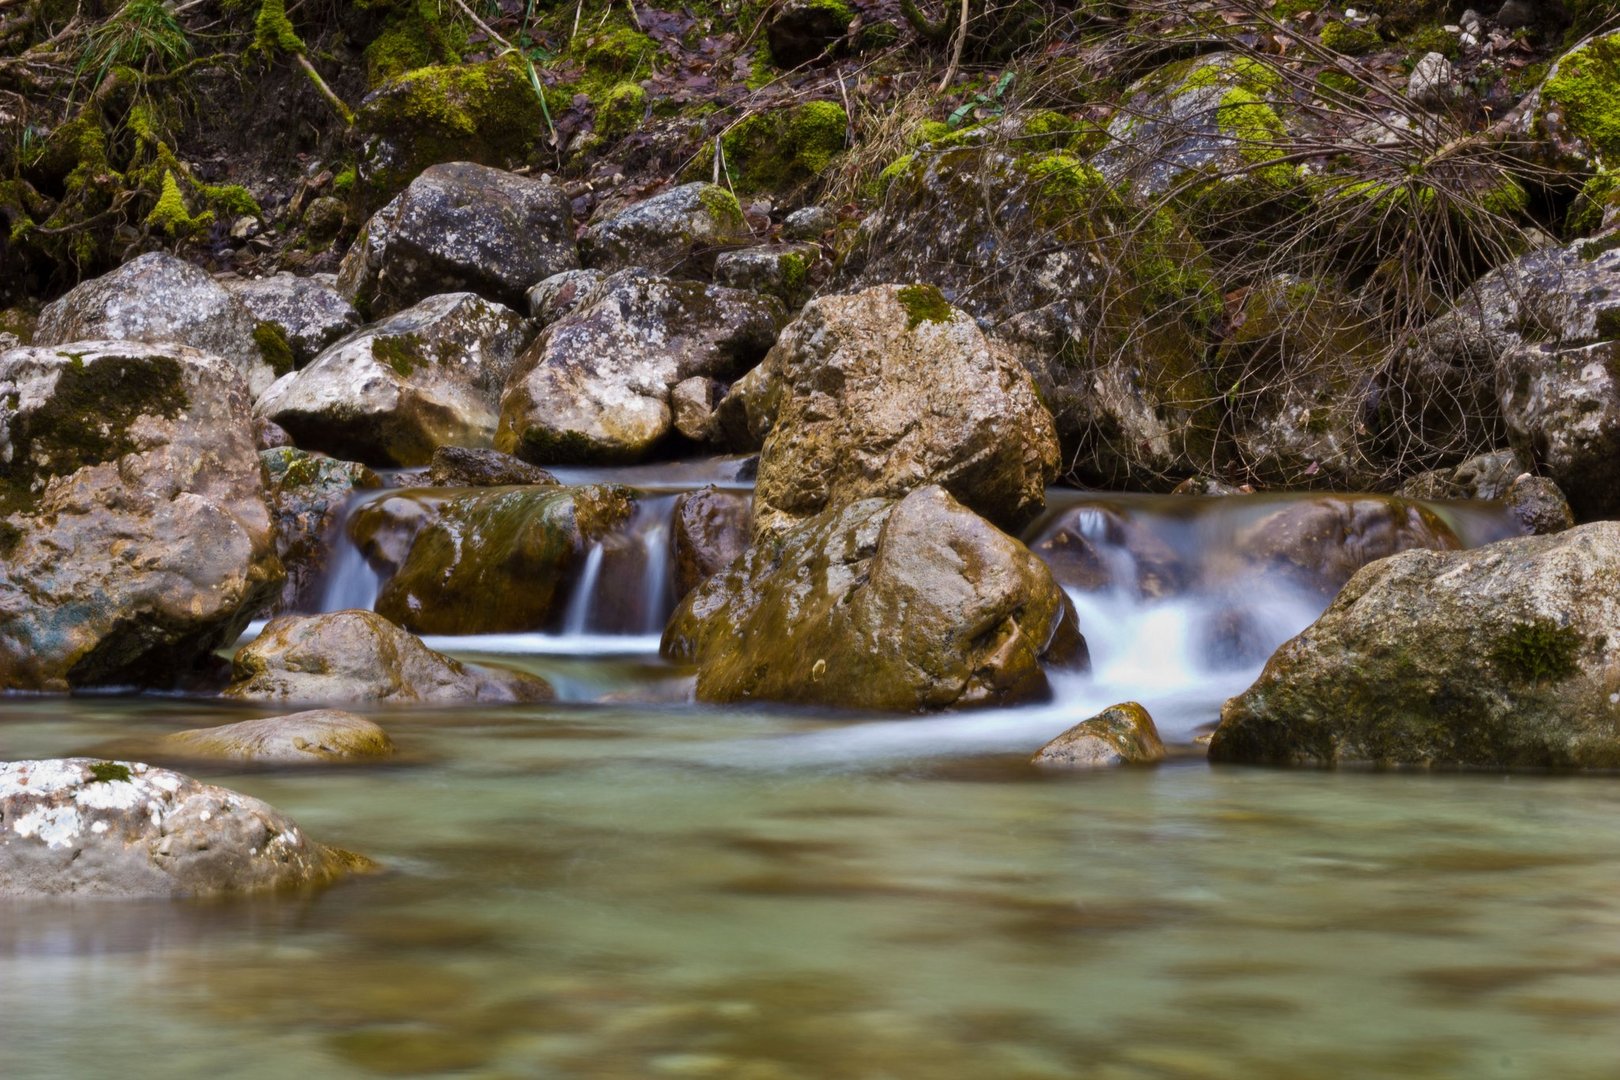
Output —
(786, 271)
(809, 223)
(561, 293)
(307, 496)
(678, 232)
(1538, 506)
(461, 466)
(311, 314)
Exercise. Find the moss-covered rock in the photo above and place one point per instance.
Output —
(305, 315)
(1121, 734)
(788, 272)
(307, 496)
(801, 31)
(786, 148)
(676, 232)
(621, 110)
(1580, 108)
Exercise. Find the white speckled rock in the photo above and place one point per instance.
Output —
(81, 827)
(676, 232)
(311, 313)
(158, 298)
(318, 735)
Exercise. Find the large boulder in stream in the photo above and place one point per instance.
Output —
(1122, 734)
(157, 298)
(1504, 656)
(359, 656)
(500, 560)
(134, 536)
(891, 389)
(595, 385)
(307, 495)
(900, 606)
(82, 827)
(709, 528)
(425, 377)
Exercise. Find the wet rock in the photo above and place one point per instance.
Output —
(385, 528)
(81, 827)
(1095, 547)
(307, 495)
(392, 394)
(561, 293)
(891, 389)
(1483, 476)
(692, 403)
(1538, 506)
(134, 536)
(355, 656)
(157, 298)
(316, 736)
(785, 271)
(500, 561)
(1119, 735)
(310, 314)
(463, 227)
(801, 31)
(809, 223)
(709, 529)
(1500, 657)
(896, 606)
(462, 466)
(595, 385)
(747, 411)
(1319, 543)
(678, 232)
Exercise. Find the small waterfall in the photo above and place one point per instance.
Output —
(626, 581)
(351, 581)
(583, 603)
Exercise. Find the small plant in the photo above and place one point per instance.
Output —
(108, 772)
(1537, 650)
(143, 35)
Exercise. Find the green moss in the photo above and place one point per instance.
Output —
(273, 32)
(1586, 88)
(232, 199)
(1334, 81)
(344, 181)
(892, 171)
(1538, 650)
(170, 213)
(1242, 72)
(761, 68)
(273, 346)
(1350, 40)
(402, 352)
(924, 303)
(778, 150)
(620, 51)
(723, 206)
(418, 34)
(108, 772)
(621, 110)
(1432, 39)
(1506, 198)
(795, 272)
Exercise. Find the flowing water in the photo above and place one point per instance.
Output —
(596, 888)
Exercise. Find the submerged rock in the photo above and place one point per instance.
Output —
(709, 528)
(1119, 735)
(891, 389)
(678, 232)
(353, 656)
(891, 605)
(309, 314)
(392, 394)
(134, 535)
(463, 466)
(319, 735)
(307, 495)
(595, 385)
(1500, 657)
(157, 298)
(82, 827)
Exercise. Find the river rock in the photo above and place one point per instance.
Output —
(392, 394)
(463, 227)
(1483, 476)
(82, 827)
(307, 497)
(747, 411)
(561, 293)
(692, 404)
(313, 737)
(809, 223)
(157, 298)
(677, 232)
(1119, 735)
(709, 528)
(1500, 657)
(892, 389)
(463, 466)
(1095, 547)
(134, 536)
(1538, 506)
(500, 561)
(890, 605)
(310, 314)
(595, 384)
(359, 656)
(1317, 544)
(385, 527)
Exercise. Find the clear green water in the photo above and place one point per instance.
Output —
(617, 892)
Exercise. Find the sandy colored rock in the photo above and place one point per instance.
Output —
(318, 735)
(1119, 735)
(709, 528)
(465, 466)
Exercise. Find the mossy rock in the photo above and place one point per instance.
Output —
(788, 148)
(621, 110)
(1583, 93)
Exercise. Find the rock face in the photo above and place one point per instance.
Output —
(888, 390)
(1119, 735)
(307, 495)
(310, 314)
(352, 656)
(678, 232)
(461, 466)
(158, 298)
(317, 736)
(81, 827)
(392, 394)
(1500, 657)
(895, 606)
(1562, 407)
(462, 227)
(134, 536)
(595, 385)
(500, 560)
(709, 529)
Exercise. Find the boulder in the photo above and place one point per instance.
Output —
(385, 527)
(392, 394)
(157, 298)
(892, 389)
(1483, 476)
(309, 314)
(692, 405)
(888, 605)
(307, 496)
(1562, 406)
(500, 561)
(82, 827)
(747, 412)
(809, 223)
(1119, 735)
(595, 385)
(462, 466)
(1538, 506)
(134, 536)
(1500, 657)
(678, 232)
(1092, 546)
(1571, 114)
(318, 736)
(359, 656)
(463, 227)
(709, 528)
(788, 272)
(358, 272)
(561, 293)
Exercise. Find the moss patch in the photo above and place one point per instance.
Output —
(621, 110)
(170, 216)
(924, 304)
(1350, 40)
(779, 150)
(108, 772)
(1538, 650)
(402, 352)
(274, 347)
(1587, 89)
